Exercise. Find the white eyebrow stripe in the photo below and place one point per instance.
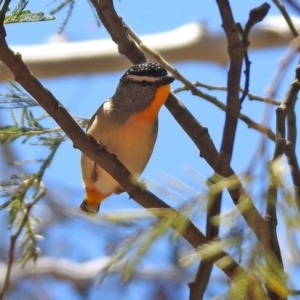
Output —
(142, 77)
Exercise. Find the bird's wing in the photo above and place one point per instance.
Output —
(91, 121)
(98, 112)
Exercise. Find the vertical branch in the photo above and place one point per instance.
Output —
(287, 111)
(290, 149)
(237, 49)
(271, 213)
(4, 10)
(284, 112)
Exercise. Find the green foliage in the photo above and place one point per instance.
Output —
(20, 15)
(71, 4)
(23, 190)
(16, 98)
(27, 16)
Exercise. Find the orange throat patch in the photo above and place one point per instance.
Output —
(160, 97)
(94, 197)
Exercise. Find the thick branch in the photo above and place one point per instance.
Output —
(113, 24)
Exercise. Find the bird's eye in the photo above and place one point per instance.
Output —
(143, 83)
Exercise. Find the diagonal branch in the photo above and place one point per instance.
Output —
(287, 17)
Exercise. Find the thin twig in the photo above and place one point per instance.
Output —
(15, 236)
(247, 75)
(290, 149)
(284, 111)
(256, 15)
(293, 4)
(287, 110)
(287, 17)
(224, 88)
(271, 214)
(27, 207)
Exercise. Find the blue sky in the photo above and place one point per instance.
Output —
(174, 156)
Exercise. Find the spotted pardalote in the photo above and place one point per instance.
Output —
(126, 124)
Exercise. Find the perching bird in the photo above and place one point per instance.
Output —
(126, 124)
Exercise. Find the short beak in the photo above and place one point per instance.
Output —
(166, 80)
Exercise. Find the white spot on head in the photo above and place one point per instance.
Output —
(107, 106)
(145, 78)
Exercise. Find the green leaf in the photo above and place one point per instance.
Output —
(27, 16)
(14, 208)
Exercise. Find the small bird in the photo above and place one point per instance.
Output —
(126, 125)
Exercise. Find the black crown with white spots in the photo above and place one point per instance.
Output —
(147, 69)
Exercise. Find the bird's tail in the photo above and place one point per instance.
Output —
(91, 209)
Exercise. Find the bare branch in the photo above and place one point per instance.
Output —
(224, 88)
(287, 17)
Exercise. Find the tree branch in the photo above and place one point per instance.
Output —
(224, 88)
(287, 110)
(287, 17)
(237, 49)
